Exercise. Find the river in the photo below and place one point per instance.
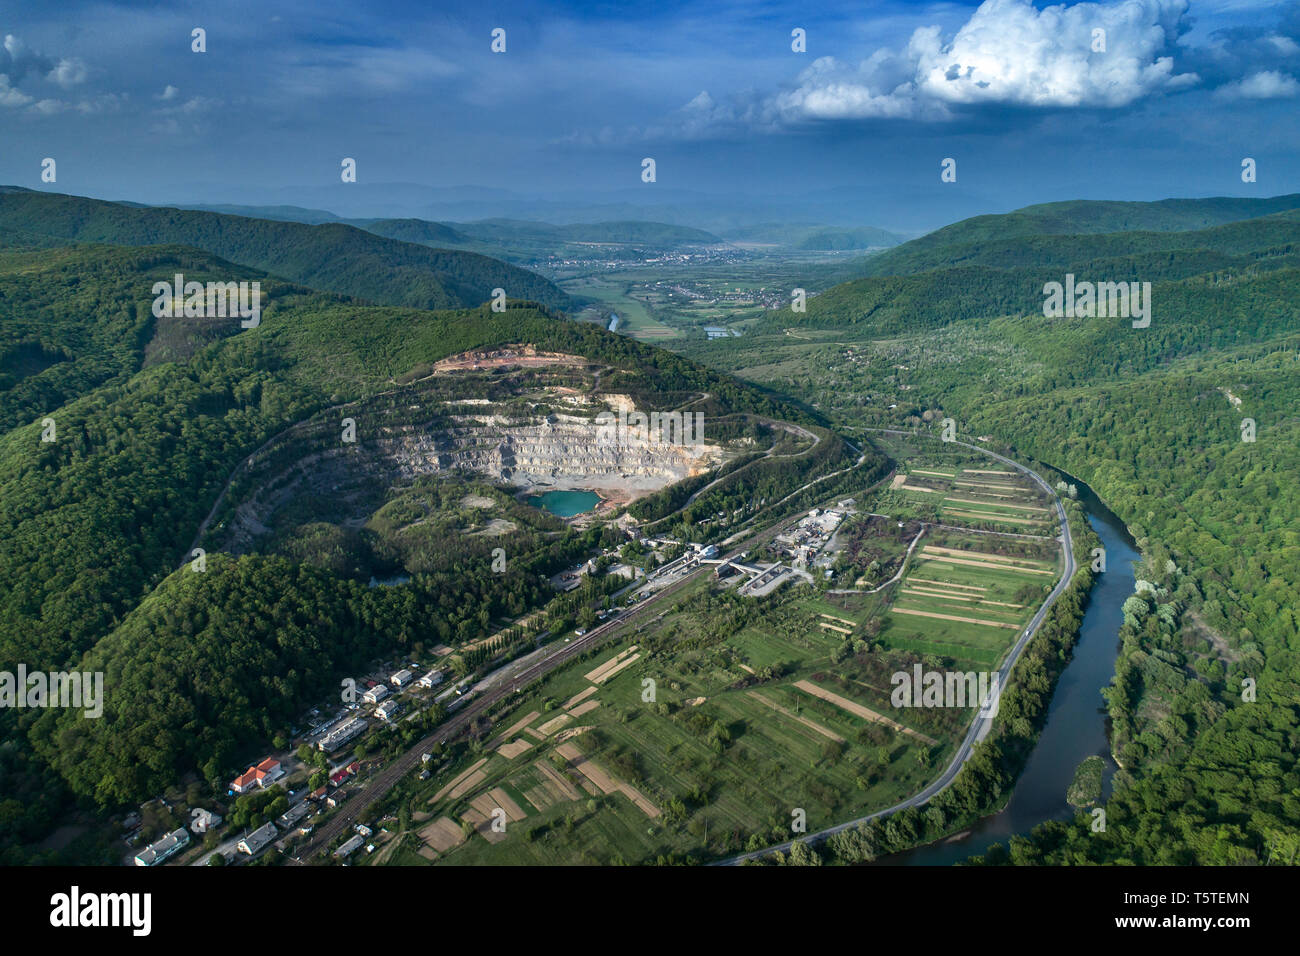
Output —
(1076, 719)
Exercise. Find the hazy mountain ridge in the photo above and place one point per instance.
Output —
(333, 257)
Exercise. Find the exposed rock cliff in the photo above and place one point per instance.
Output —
(558, 452)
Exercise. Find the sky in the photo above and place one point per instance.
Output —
(1035, 102)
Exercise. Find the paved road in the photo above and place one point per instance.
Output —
(981, 725)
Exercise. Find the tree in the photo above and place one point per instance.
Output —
(802, 854)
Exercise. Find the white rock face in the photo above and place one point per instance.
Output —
(561, 452)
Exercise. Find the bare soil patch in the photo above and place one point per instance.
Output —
(457, 780)
(857, 710)
(443, 834)
(954, 617)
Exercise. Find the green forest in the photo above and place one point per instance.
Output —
(149, 419)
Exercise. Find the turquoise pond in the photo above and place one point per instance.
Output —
(565, 504)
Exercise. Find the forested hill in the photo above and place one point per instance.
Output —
(971, 239)
(1211, 288)
(84, 360)
(331, 257)
(77, 317)
(152, 417)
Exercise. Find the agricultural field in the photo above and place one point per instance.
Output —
(985, 496)
(757, 710)
(967, 597)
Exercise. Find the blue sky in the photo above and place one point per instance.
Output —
(713, 91)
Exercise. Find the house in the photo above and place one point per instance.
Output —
(350, 846)
(160, 850)
(387, 710)
(432, 679)
(339, 777)
(265, 773)
(425, 757)
(293, 814)
(364, 830)
(335, 798)
(204, 820)
(258, 840)
(354, 767)
(342, 735)
(401, 678)
(318, 794)
(375, 694)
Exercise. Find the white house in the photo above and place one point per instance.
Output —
(158, 851)
(350, 846)
(258, 840)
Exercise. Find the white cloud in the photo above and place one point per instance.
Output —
(169, 93)
(1284, 45)
(11, 97)
(195, 104)
(103, 103)
(1265, 85)
(68, 73)
(19, 63)
(1007, 53)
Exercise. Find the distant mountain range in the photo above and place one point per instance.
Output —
(516, 238)
(331, 256)
(725, 215)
